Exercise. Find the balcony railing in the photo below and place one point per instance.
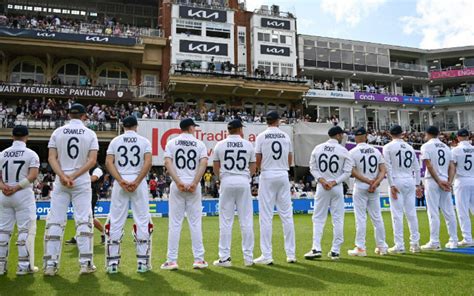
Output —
(48, 124)
(204, 3)
(408, 67)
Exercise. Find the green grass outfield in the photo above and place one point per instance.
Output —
(427, 273)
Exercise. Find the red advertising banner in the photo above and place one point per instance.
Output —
(451, 73)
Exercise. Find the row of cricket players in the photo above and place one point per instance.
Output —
(73, 152)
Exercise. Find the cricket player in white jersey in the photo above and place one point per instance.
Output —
(234, 163)
(403, 174)
(19, 168)
(463, 166)
(73, 152)
(369, 171)
(186, 161)
(129, 161)
(274, 154)
(330, 164)
(437, 159)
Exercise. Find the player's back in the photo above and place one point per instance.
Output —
(235, 154)
(401, 158)
(16, 161)
(275, 146)
(186, 151)
(463, 156)
(129, 151)
(73, 142)
(366, 161)
(328, 158)
(439, 155)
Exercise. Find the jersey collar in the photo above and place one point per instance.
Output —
(19, 144)
(129, 132)
(333, 141)
(361, 143)
(76, 121)
(233, 136)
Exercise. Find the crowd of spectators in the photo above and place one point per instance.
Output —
(459, 90)
(108, 26)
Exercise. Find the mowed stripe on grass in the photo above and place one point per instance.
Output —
(425, 273)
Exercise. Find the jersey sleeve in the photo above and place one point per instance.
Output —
(147, 145)
(380, 157)
(416, 168)
(217, 152)
(253, 157)
(347, 167)
(111, 148)
(388, 164)
(94, 143)
(454, 156)
(34, 161)
(168, 150)
(52, 140)
(425, 153)
(353, 155)
(203, 152)
(258, 144)
(313, 166)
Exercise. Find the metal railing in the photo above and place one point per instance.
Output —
(48, 124)
(222, 4)
(408, 67)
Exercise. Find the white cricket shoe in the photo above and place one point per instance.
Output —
(334, 255)
(142, 268)
(263, 261)
(50, 270)
(87, 268)
(169, 265)
(358, 252)
(25, 271)
(313, 254)
(465, 243)
(223, 263)
(451, 245)
(431, 247)
(415, 248)
(3, 268)
(394, 250)
(291, 260)
(248, 263)
(381, 251)
(200, 264)
(112, 268)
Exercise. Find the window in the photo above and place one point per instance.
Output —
(264, 37)
(265, 66)
(276, 68)
(27, 71)
(71, 74)
(282, 39)
(188, 27)
(287, 69)
(218, 30)
(114, 77)
(241, 38)
(274, 38)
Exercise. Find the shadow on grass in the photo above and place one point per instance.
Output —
(213, 281)
(146, 284)
(436, 260)
(18, 285)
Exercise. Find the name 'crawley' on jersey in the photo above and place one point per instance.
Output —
(463, 157)
(186, 151)
(366, 160)
(73, 142)
(129, 151)
(15, 162)
(331, 161)
(274, 145)
(235, 154)
(440, 156)
(401, 161)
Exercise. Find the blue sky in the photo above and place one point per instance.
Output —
(415, 23)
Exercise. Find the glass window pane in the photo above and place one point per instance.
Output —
(347, 57)
(323, 54)
(371, 59)
(359, 58)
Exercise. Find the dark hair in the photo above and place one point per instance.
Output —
(76, 115)
(233, 131)
(272, 121)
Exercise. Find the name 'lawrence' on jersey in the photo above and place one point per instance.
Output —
(275, 146)
(235, 155)
(439, 155)
(331, 161)
(463, 157)
(73, 142)
(401, 161)
(186, 152)
(16, 161)
(366, 160)
(129, 151)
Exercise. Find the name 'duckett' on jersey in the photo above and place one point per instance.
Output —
(10, 154)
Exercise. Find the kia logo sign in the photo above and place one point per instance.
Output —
(51, 35)
(97, 39)
(275, 23)
(203, 14)
(200, 47)
(275, 50)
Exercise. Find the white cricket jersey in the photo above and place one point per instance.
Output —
(234, 154)
(73, 142)
(275, 146)
(366, 160)
(331, 161)
(440, 156)
(16, 161)
(129, 151)
(463, 157)
(186, 152)
(401, 161)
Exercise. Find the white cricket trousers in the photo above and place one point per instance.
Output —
(235, 195)
(274, 190)
(181, 204)
(364, 202)
(19, 208)
(464, 196)
(119, 206)
(404, 204)
(80, 196)
(324, 200)
(437, 199)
